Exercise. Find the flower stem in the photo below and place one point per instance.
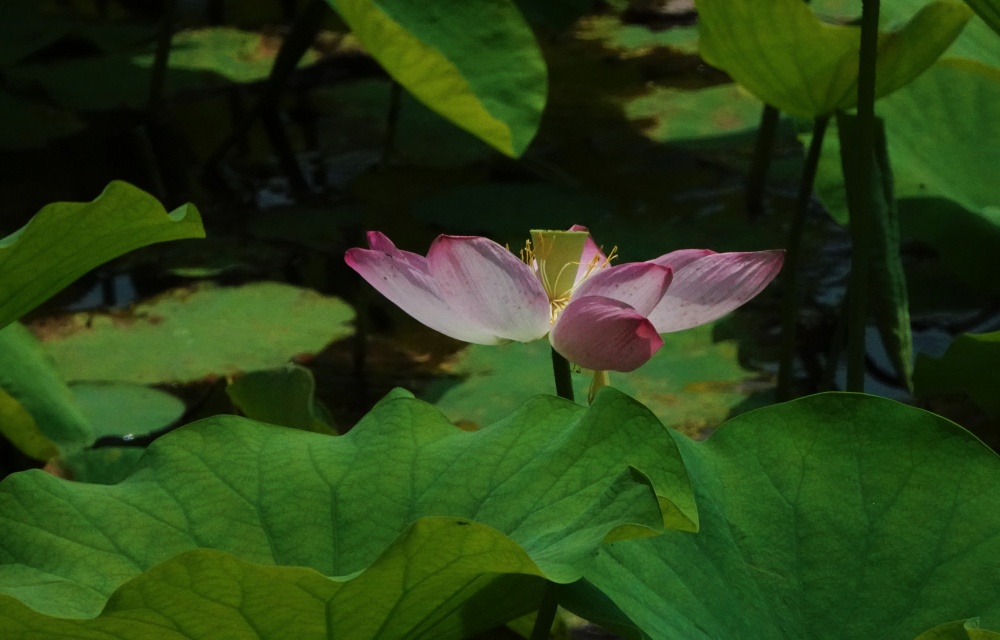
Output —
(761, 162)
(546, 610)
(793, 249)
(860, 233)
(564, 381)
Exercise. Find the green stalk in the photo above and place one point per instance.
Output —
(296, 44)
(793, 250)
(546, 611)
(158, 79)
(761, 162)
(861, 239)
(561, 371)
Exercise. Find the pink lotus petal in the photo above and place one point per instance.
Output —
(490, 287)
(604, 334)
(399, 278)
(712, 286)
(592, 257)
(641, 285)
(677, 259)
(378, 241)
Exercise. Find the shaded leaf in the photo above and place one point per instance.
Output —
(532, 494)
(285, 397)
(103, 465)
(836, 516)
(436, 52)
(788, 58)
(989, 11)
(971, 366)
(30, 124)
(193, 333)
(38, 413)
(65, 240)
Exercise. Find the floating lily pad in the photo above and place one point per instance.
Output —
(691, 384)
(125, 410)
(839, 517)
(194, 333)
(426, 530)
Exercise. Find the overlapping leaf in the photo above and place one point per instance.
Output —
(38, 412)
(788, 58)
(533, 495)
(65, 240)
(836, 516)
(476, 64)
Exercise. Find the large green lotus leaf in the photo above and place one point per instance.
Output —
(476, 64)
(977, 41)
(971, 366)
(787, 57)
(285, 397)
(124, 409)
(989, 11)
(192, 333)
(545, 487)
(691, 384)
(837, 516)
(65, 240)
(38, 413)
(440, 566)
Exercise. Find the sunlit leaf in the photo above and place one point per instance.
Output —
(835, 517)
(38, 413)
(788, 58)
(285, 397)
(65, 240)
(476, 64)
(533, 495)
(193, 333)
(971, 366)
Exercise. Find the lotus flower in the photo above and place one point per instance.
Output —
(598, 316)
